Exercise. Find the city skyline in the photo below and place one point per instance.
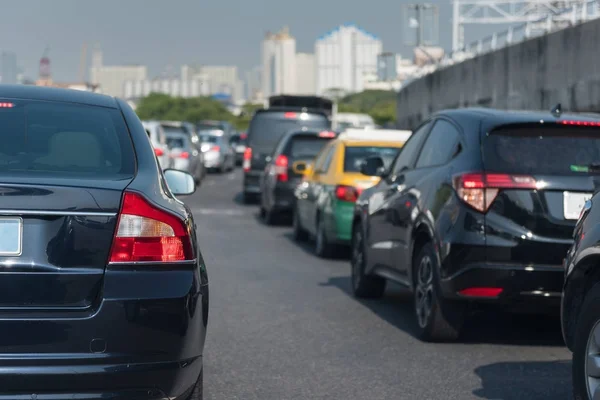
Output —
(189, 31)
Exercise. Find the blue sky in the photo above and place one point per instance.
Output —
(160, 33)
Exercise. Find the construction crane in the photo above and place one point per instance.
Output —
(83, 62)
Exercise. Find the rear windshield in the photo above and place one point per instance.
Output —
(550, 150)
(174, 129)
(306, 147)
(176, 142)
(65, 140)
(267, 128)
(207, 138)
(209, 127)
(354, 156)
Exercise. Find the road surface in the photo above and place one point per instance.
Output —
(284, 325)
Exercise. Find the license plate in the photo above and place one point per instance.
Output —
(573, 204)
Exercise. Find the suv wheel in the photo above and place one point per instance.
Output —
(586, 351)
(300, 235)
(323, 248)
(437, 319)
(363, 286)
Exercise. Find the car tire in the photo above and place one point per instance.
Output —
(588, 322)
(198, 390)
(270, 216)
(438, 319)
(248, 198)
(323, 248)
(300, 235)
(363, 286)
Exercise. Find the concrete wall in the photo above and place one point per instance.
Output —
(563, 67)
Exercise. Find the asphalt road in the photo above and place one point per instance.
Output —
(284, 325)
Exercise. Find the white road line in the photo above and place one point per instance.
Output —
(217, 211)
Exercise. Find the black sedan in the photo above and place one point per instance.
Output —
(104, 291)
(581, 295)
(281, 175)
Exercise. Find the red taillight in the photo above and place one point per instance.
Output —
(347, 193)
(481, 292)
(148, 234)
(479, 189)
(184, 154)
(247, 159)
(327, 134)
(281, 168)
(243, 136)
(159, 152)
(215, 148)
(6, 105)
(580, 123)
(290, 115)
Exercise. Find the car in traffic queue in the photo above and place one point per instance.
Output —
(266, 129)
(580, 314)
(185, 148)
(477, 210)
(279, 179)
(156, 133)
(238, 141)
(217, 150)
(104, 291)
(324, 206)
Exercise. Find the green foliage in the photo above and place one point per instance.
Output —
(164, 107)
(379, 104)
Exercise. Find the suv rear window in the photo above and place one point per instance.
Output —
(267, 128)
(176, 142)
(306, 146)
(61, 139)
(549, 150)
(355, 155)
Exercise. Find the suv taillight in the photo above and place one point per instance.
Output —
(479, 189)
(281, 168)
(247, 159)
(146, 233)
(347, 193)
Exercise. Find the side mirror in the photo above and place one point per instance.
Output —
(180, 183)
(372, 166)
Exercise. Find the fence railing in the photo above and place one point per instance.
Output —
(579, 13)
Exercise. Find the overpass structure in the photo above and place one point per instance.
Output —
(535, 66)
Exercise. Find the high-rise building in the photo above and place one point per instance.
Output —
(306, 72)
(387, 66)
(344, 57)
(279, 63)
(9, 70)
(112, 78)
(254, 84)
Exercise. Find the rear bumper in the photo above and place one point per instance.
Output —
(143, 340)
(523, 286)
(252, 182)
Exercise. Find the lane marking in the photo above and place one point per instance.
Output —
(218, 211)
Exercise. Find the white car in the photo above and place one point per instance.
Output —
(159, 142)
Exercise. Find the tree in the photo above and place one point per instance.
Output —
(164, 107)
(379, 104)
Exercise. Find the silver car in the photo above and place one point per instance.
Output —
(159, 142)
(218, 153)
(185, 152)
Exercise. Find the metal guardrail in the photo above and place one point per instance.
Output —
(583, 12)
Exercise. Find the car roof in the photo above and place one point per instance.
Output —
(494, 117)
(278, 111)
(31, 92)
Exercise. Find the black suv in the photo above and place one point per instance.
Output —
(266, 128)
(478, 207)
(282, 175)
(580, 314)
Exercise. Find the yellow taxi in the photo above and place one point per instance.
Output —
(332, 182)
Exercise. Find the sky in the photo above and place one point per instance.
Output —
(158, 33)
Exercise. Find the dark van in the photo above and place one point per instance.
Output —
(266, 128)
